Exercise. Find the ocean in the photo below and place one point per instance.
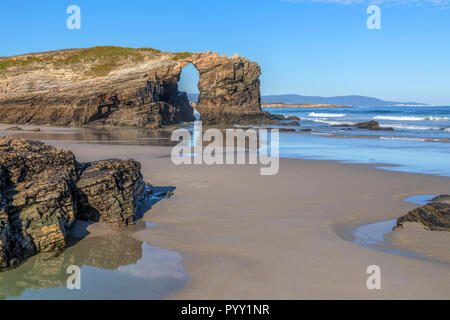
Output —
(419, 142)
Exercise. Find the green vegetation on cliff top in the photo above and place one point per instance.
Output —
(100, 61)
(181, 55)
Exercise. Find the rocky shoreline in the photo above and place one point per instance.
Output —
(434, 216)
(43, 191)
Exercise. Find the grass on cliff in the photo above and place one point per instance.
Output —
(181, 55)
(103, 59)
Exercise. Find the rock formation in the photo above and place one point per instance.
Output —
(434, 216)
(229, 88)
(125, 87)
(107, 191)
(43, 191)
(371, 125)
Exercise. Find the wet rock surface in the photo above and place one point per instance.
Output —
(434, 216)
(371, 125)
(43, 191)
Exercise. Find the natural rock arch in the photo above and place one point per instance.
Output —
(229, 88)
(126, 87)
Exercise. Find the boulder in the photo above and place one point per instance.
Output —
(38, 205)
(370, 125)
(277, 117)
(109, 191)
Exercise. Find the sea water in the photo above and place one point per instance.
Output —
(419, 142)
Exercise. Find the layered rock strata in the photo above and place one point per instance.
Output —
(108, 190)
(125, 87)
(434, 216)
(43, 191)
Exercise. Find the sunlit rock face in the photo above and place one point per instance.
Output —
(109, 191)
(38, 205)
(229, 88)
(43, 191)
(125, 87)
(434, 216)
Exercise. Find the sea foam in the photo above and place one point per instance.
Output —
(411, 118)
(326, 115)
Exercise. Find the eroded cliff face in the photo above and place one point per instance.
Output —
(125, 87)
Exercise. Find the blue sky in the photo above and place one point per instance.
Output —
(309, 47)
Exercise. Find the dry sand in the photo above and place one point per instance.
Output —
(246, 236)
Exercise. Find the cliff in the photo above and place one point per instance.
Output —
(125, 87)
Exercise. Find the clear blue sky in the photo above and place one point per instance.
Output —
(310, 47)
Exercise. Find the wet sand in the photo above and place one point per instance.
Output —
(246, 236)
(413, 237)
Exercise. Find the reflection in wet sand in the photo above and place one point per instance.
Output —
(120, 136)
(114, 265)
(110, 265)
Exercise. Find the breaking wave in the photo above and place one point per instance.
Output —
(411, 118)
(326, 115)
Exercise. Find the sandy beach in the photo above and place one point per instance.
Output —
(246, 236)
(335, 139)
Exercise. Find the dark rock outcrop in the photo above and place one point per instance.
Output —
(126, 87)
(286, 130)
(38, 202)
(434, 216)
(277, 117)
(371, 125)
(108, 191)
(43, 191)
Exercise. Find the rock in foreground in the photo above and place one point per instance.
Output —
(435, 216)
(108, 190)
(43, 191)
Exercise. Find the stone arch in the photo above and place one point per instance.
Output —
(229, 88)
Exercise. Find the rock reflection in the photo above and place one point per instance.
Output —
(113, 266)
(119, 136)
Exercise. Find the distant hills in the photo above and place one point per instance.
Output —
(339, 100)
